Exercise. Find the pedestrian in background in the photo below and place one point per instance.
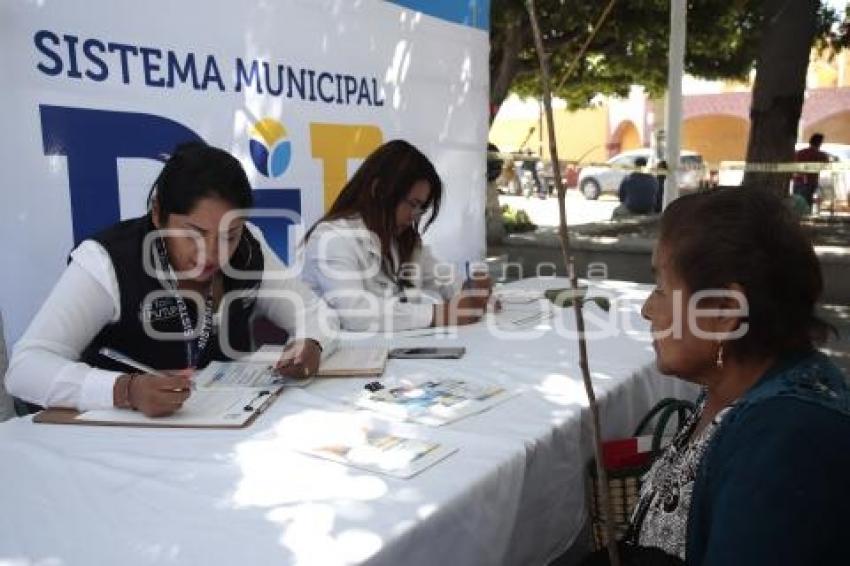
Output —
(806, 184)
(638, 192)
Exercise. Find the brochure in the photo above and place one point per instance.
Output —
(432, 401)
(382, 452)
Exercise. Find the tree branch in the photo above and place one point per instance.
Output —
(604, 492)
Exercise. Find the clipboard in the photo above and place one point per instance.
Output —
(183, 418)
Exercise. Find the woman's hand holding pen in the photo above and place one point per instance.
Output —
(482, 283)
(468, 306)
(300, 359)
(154, 395)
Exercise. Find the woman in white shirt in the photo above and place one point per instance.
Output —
(366, 258)
(173, 290)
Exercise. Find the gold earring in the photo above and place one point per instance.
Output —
(719, 361)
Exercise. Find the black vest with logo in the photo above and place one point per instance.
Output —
(124, 243)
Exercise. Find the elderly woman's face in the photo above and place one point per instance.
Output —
(678, 351)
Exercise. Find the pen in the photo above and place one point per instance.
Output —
(467, 283)
(475, 270)
(130, 362)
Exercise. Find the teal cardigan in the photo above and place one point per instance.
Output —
(773, 487)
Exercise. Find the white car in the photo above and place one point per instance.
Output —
(835, 185)
(596, 180)
(832, 183)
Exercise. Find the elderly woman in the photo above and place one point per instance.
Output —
(759, 474)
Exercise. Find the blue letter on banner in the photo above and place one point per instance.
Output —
(93, 141)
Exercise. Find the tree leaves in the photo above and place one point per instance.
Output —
(630, 47)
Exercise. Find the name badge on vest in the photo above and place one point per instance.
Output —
(159, 309)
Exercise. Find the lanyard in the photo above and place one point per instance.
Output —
(196, 347)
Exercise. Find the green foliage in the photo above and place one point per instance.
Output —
(631, 45)
(516, 221)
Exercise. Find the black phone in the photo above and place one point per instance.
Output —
(427, 353)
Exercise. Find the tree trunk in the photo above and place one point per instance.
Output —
(495, 227)
(788, 32)
(504, 70)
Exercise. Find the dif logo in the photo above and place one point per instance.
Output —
(270, 147)
(92, 141)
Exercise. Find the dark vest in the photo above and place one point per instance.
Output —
(124, 243)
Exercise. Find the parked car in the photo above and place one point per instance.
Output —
(597, 180)
(832, 183)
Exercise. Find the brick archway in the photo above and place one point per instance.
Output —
(835, 127)
(734, 104)
(820, 104)
(823, 103)
(626, 136)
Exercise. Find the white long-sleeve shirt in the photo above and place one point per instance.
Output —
(7, 409)
(45, 367)
(342, 264)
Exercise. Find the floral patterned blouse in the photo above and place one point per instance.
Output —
(660, 518)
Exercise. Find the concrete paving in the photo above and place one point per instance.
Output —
(544, 212)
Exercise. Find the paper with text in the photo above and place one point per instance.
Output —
(381, 452)
(210, 407)
(433, 401)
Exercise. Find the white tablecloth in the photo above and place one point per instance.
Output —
(512, 494)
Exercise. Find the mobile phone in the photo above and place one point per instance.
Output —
(427, 353)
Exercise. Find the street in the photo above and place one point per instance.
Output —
(544, 212)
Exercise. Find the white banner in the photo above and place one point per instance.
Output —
(300, 91)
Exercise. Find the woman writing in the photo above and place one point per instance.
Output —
(173, 290)
(758, 475)
(366, 258)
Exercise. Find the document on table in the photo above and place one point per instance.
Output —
(350, 361)
(418, 332)
(237, 375)
(518, 296)
(522, 319)
(224, 395)
(381, 452)
(213, 408)
(346, 361)
(521, 308)
(434, 401)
